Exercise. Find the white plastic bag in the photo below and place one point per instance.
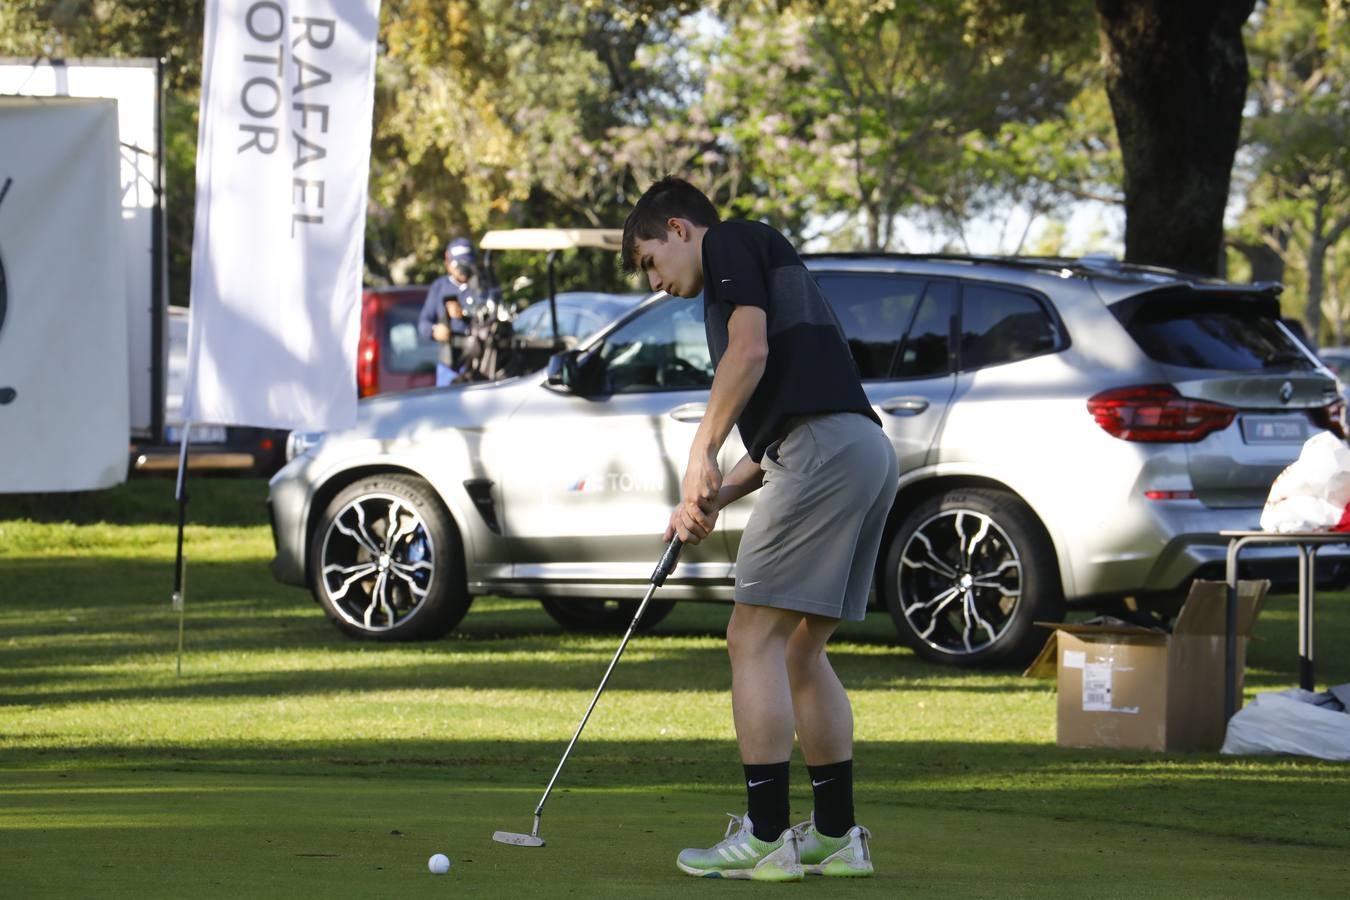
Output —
(1312, 492)
(1291, 722)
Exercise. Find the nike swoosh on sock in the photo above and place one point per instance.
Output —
(819, 783)
(755, 784)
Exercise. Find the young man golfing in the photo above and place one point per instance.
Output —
(826, 476)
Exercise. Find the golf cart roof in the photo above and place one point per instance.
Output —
(552, 239)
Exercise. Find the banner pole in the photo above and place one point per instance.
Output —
(180, 564)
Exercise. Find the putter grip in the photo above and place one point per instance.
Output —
(667, 563)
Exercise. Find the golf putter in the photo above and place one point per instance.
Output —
(663, 568)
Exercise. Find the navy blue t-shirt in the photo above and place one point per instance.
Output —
(434, 313)
(809, 368)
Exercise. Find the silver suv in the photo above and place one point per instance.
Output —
(1069, 433)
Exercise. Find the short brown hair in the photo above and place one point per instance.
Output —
(669, 198)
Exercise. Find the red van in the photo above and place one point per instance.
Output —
(392, 356)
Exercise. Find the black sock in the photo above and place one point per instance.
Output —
(833, 788)
(766, 792)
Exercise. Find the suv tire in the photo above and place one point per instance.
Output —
(967, 573)
(374, 585)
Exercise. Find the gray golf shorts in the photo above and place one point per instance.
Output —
(812, 541)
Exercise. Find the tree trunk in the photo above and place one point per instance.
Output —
(872, 215)
(1323, 239)
(1176, 75)
(1317, 265)
(1266, 263)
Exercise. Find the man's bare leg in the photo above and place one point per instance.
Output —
(824, 719)
(761, 704)
(761, 694)
(821, 710)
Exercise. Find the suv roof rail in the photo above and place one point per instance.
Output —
(1092, 265)
(1025, 261)
(1053, 264)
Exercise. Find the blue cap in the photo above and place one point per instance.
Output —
(460, 251)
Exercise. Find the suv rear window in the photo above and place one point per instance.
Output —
(404, 350)
(1228, 332)
(1002, 326)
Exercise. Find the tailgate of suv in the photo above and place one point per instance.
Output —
(1235, 467)
(1226, 345)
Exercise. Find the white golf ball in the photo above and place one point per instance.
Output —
(439, 864)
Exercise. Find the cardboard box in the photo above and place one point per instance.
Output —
(1122, 685)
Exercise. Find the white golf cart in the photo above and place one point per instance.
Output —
(493, 348)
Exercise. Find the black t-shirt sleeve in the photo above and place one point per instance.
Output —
(734, 271)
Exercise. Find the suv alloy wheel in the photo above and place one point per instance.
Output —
(968, 572)
(387, 562)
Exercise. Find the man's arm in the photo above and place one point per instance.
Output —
(427, 318)
(744, 478)
(738, 374)
(454, 314)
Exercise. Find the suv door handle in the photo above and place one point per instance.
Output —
(904, 406)
(689, 412)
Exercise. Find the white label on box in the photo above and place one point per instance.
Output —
(1074, 659)
(1096, 687)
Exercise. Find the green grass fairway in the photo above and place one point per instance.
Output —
(194, 834)
(290, 761)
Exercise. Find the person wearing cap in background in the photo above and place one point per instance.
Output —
(448, 301)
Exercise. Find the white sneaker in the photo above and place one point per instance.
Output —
(849, 856)
(742, 855)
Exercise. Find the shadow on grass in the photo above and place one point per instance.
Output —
(214, 501)
(500, 650)
(70, 614)
(66, 614)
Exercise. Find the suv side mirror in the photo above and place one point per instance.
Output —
(562, 369)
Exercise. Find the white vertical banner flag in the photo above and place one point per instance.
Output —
(283, 158)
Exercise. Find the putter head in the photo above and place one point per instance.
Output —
(520, 840)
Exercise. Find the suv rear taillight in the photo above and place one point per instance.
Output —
(1156, 413)
(367, 367)
(368, 348)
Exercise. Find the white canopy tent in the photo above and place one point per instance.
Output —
(64, 384)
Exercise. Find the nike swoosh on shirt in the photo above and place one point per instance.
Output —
(749, 583)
